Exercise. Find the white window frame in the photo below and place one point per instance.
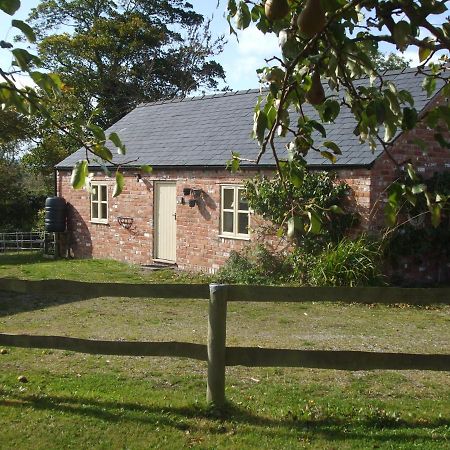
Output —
(235, 211)
(98, 203)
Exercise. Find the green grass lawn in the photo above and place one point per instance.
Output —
(33, 266)
(85, 401)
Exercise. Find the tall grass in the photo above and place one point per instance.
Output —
(349, 263)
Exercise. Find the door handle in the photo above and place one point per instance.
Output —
(174, 216)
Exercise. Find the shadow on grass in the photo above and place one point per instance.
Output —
(15, 303)
(23, 258)
(179, 418)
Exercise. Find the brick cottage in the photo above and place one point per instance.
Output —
(190, 210)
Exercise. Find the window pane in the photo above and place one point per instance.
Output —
(94, 210)
(94, 193)
(103, 193)
(228, 198)
(104, 211)
(243, 223)
(228, 222)
(243, 202)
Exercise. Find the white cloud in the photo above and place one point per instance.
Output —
(241, 59)
(254, 42)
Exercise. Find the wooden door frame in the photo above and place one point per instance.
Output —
(157, 183)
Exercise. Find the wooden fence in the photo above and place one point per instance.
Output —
(216, 353)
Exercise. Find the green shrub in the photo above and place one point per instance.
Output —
(298, 264)
(254, 265)
(349, 263)
(318, 194)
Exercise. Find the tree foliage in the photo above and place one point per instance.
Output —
(19, 200)
(334, 41)
(315, 204)
(50, 144)
(14, 133)
(116, 54)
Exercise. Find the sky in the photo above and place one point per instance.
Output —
(240, 59)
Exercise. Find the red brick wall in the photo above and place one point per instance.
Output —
(427, 162)
(199, 246)
(360, 184)
(420, 268)
(111, 240)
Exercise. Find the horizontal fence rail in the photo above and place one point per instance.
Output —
(93, 290)
(235, 293)
(216, 353)
(383, 295)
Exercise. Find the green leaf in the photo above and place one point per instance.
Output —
(409, 119)
(418, 188)
(146, 168)
(336, 209)
(411, 172)
(280, 232)
(296, 174)
(291, 228)
(315, 224)
(319, 127)
(234, 163)
(401, 34)
(49, 82)
(243, 16)
(411, 198)
(232, 8)
(115, 139)
(24, 58)
(395, 192)
(389, 131)
(333, 147)
(328, 156)
(377, 108)
(9, 6)
(429, 85)
(390, 214)
(406, 97)
(259, 126)
(393, 100)
(97, 132)
(435, 210)
(103, 152)
(118, 186)
(25, 29)
(329, 110)
(424, 53)
(79, 174)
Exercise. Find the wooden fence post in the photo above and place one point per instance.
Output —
(217, 330)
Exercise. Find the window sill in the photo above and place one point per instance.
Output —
(99, 222)
(237, 238)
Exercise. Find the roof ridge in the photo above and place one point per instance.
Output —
(218, 94)
(221, 94)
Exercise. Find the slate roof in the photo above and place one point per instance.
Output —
(203, 131)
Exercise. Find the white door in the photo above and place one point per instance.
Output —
(165, 221)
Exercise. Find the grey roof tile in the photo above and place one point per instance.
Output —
(203, 131)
